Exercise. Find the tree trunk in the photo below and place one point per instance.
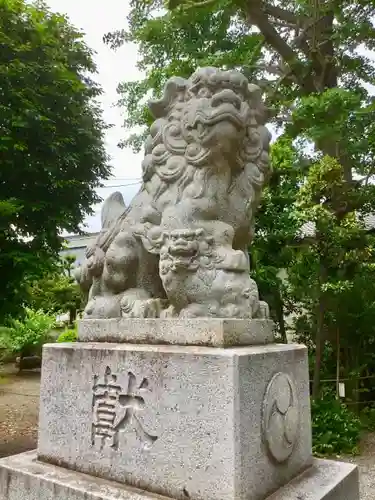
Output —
(319, 339)
(279, 311)
(338, 364)
(72, 316)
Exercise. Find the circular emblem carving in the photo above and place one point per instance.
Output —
(280, 417)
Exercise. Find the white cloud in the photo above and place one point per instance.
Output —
(95, 19)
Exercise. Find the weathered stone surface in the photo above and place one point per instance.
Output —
(194, 331)
(186, 421)
(180, 248)
(325, 480)
(22, 477)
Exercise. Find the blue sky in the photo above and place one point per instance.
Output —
(95, 19)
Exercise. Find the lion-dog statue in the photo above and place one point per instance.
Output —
(180, 249)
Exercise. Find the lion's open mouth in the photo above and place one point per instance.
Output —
(183, 255)
(225, 112)
(183, 249)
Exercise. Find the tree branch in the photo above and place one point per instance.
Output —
(255, 15)
(273, 69)
(283, 24)
(282, 14)
(300, 40)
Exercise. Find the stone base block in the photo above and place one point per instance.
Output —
(186, 422)
(214, 332)
(22, 477)
(325, 480)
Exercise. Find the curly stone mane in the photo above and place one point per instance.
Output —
(174, 156)
(175, 150)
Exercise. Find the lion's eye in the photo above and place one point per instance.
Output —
(204, 92)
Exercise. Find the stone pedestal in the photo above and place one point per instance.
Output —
(23, 477)
(185, 422)
(209, 332)
(197, 422)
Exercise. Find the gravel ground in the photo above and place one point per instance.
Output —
(19, 406)
(366, 464)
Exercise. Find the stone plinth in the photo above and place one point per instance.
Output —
(195, 331)
(22, 477)
(182, 421)
(325, 480)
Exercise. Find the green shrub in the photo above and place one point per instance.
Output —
(68, 336)
(335, 429)
(26, 337)
(5, 333)
(5, 352)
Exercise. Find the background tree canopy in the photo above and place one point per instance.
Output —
(293, 49)
(56, 291)
(51, 140)
(314, 62)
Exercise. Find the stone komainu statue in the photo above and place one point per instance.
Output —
(180, 248)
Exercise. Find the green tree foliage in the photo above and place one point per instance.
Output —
(278, 223)
(56, 291)
(335, 429)
(313, 60)
(338, 264)
(294, 50)
(68, 336)
(26, 337)
(51, 140)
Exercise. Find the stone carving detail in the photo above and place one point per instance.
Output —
(180, 247)
(115, 411)
(281, 417)
(204, 276)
